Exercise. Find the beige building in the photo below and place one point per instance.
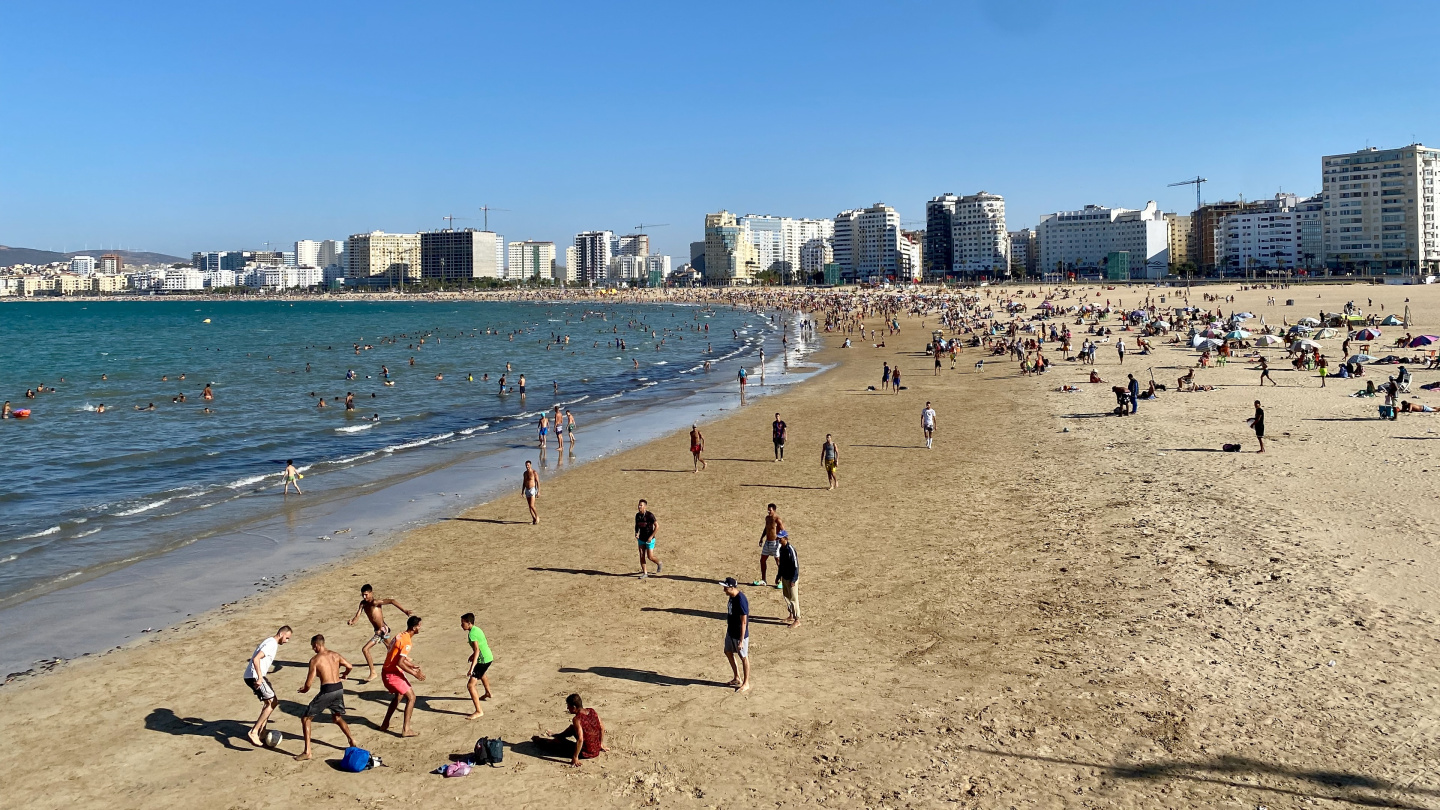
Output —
(104, 283)
(531, 261)
(570, 272)
(379, 255)
(1179, 239)
(730, 253)
(1379, 207)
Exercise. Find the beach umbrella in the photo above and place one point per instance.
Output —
(1244, 316)
(1162, 324)
(1238, 334)
(1367, 333)
(1268, 340)
(1309, 321)
(1360, 358)
(1300, 330)
(1303, 345)
(1207, 344)
(1392, 321)
(1327, 332)
(1423, 340)
(1212, 332)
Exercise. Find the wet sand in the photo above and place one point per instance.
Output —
(1113, 616)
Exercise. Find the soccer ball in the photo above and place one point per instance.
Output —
(273, 738)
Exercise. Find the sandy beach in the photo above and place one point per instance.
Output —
(1054, 607)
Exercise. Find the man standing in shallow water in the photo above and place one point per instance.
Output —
(530, 488)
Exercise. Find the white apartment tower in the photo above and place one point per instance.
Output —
(1380, 208)
(568, 274)
(307, 253)
(1265, 236)
(531, 261)
(979, 240)
(868, 244)
(592, 249)
(83, 265)
(782, 243)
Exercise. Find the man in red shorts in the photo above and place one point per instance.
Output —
(392, 674)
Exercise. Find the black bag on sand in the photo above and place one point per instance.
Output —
(488, 752)
(1231, 448)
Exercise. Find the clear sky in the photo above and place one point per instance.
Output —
(189, 126)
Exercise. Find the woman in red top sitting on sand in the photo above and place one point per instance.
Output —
(586, 731)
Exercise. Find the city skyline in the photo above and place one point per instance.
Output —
(169, 149)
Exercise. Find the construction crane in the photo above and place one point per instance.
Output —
(451, 221)
(487, 209)
(1196, 183)
(642, 226)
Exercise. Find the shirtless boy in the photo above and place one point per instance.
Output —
(697, 448)
(328, 667)
(372, 608)
(770, 544)
(530, 488)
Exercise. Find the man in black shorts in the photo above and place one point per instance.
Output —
(777, 435)
(332, 668)
(1258, 422)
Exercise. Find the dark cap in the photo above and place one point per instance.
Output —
(730, 583)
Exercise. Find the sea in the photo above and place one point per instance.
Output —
(89, 493)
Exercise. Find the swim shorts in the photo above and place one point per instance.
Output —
(739, 646)
(395, 683)
(264, 692)
(331, 699)
(480, 669)
(382, 635)
(531, 492)
(648, 545)
(770, 548)
(831, 465)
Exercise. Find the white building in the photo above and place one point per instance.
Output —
(627, 268)
(634, 244)
(657, 262)
(592, 256)
(781, 243)
(568, 273)
(219, 278)
(531, 261)
(1380, 208)
(1265, 236)
(307, 253)
(979, 241)
(1083, 240)
(331, 254)
(83, 265)
(868, 245)
(185, 279)
(379, 256)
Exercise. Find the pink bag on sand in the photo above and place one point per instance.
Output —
(457, 769)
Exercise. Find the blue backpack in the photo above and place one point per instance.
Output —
(355, 760)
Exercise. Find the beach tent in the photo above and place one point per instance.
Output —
(1299, 329)
(1392, 321)
(1309, 321)
(1243, 316)
(1367, 334)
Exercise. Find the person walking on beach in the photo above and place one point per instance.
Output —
(1120, 347)
(1265, 373)
(585, 729)
(292, 476)
(737, 635)
(777, 435)
(927, 423)
(255, 672)
(895, 379)
(770, 543)
(478, 665)
(397, 665)
(789, 565)
(743, 375)
(374, 610)
(645, 527)
(570, 428)
(830, 459)
(697, 448)
(530, 488)
(939, 355)
(1258, 423)
(328, 667)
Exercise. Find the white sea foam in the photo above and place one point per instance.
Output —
(11, 558)
(468, 431)
(86, 534)
(245, 482)
(417, 443)
(49, 531)
(354, 458)
(661, 363)
(355, 428)
(145, 508)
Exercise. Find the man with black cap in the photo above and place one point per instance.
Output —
(737, 635)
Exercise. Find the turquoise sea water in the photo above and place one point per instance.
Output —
(90, 491)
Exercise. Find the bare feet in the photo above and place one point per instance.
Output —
(371, 677)
(302, 757)
(486, 696)
(385, 726)
(476, 715)
(744, 687)
(734, 683)
(254, 740)
(410, 734)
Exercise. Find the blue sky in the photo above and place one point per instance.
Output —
(188, 126)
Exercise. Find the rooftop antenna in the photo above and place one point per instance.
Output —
(487, 209)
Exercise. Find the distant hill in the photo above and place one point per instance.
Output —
(15, 255)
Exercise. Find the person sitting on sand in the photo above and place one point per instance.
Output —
(586, 730)
(1095, 377)
(1187, 382)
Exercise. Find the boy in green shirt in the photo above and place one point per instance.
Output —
(480, 659)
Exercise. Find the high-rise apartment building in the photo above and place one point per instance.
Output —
(1207, 234)
(657, 266)
(978, 236)
(697, 257)
(730, 255)
(843, 241)
(1311, 212)
(1084, 240)
(379, 257)
(939, 235)
(592, 249)
(112, 263)
(82, 265)
(531, 261)
(1264, 236)
(868, 245)
(307, 253)
(1380, 208)
(456, 255)
(569, 274)
(1024, 255)
(330, 254)
(1179, 226)
(781, 243)
(634, 244)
